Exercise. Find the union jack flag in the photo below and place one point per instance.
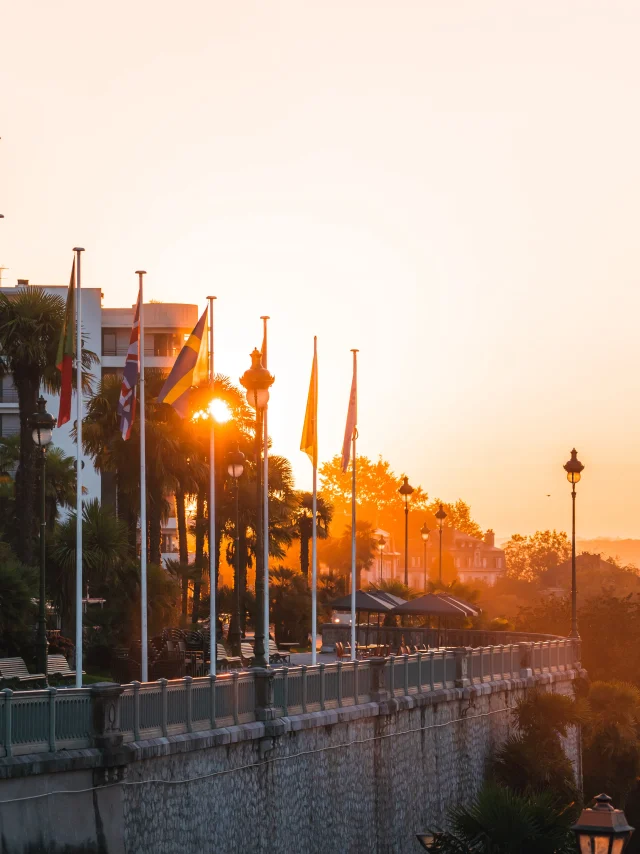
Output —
(127, 401)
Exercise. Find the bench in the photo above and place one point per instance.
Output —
(223, 658)
(15, 668)
(57, 665)
(276, 654)
(246, 653)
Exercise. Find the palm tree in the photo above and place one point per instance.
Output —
(60, 484)
(303, 525)
(31, 322)
(105, 554)
(500, 821)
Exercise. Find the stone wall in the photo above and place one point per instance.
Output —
(359, 779)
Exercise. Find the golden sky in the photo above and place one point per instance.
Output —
(452, 187)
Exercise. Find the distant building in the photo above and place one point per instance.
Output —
(557, 580)
(385, 562)
(106, 333)
(473, 559)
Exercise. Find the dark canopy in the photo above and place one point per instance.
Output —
(374, 601)
(437, 605)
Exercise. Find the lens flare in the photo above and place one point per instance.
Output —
(217, 409)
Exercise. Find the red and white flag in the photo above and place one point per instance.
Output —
(352, 415)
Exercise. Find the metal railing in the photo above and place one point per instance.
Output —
(58, 719)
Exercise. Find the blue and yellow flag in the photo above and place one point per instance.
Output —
(188, 370)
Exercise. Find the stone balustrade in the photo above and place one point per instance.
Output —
(107, 715)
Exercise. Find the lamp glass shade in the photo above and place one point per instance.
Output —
(602, 829)
(235, 470)
(42, 436)
(573, 476)
(425, 535)
(258, 398)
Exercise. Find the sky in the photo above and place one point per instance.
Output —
(453, 188)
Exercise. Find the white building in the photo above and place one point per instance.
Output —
(106, 333)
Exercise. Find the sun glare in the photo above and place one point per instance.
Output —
(217, 409)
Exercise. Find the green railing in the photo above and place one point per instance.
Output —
(53, 719)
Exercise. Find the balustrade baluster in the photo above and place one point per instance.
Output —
(52, 719)
(406, 674)
(304, 688)
(322, 687)
(212, 700)
(339, 673)
(164, 705)
(187, 686)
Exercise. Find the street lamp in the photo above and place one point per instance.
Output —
(235, 467)
(406, 490)
(42, 425)
(257, 380)
(573, 469)
(381, 544)
(440, 516)
(602, 829)
(424, 533)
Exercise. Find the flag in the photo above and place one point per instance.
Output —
(127, 401)
(64, 358)
(309, 442)
(352, 417)
(189, 369)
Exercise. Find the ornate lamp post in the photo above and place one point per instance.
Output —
(406, 490)
(424, 533)
(573, 469)
(257, 381)
(235, 467)
(42, 425)
(381, 544)
(440, 516)
(602, 829)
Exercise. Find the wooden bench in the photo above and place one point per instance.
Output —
(246, 653)
(57, 665)
(276, 654)
(15, 668)
(223, 658)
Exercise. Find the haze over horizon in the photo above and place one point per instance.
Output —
(444, 186)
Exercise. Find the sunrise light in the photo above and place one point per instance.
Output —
(217, 409)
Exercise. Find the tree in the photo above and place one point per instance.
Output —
(377, 490)
(60, 484)
(501, 821)
(611, 753)
(336, 552)
(105, 556)
(18, 589)
(303, 525)
(290, 605)
(528, 557)
(458, 517)
(30, 326)
(533, 761)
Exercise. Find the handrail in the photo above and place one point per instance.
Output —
(63, 718)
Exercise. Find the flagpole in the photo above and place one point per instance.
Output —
(265, 487)
(213, 626)
(143, 498)
(314, 522)
(353, 526)
(78, 250)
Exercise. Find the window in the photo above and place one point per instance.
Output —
(484, 563)
(108, 343)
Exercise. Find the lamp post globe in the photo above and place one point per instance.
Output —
(235, 468)
(257, 381)
(440, 516)
(381, 544)
(602, 829)
(574, 469)
(424, 533)
(406, 490)
(42, 424)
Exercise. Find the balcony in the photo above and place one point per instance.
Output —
(8, 395)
